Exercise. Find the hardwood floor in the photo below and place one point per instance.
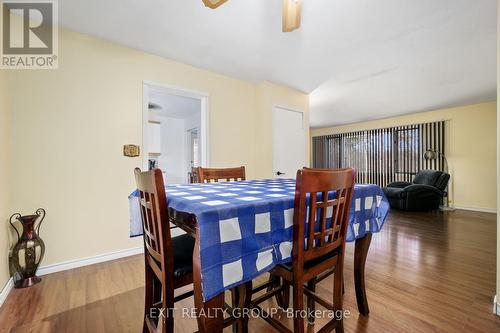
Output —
(426, 272)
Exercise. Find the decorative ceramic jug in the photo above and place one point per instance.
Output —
(28, 252)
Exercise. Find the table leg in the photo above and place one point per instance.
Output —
(241, 302)
(209, 314)
(360, 252)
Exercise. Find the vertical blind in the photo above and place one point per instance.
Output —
(382, 156)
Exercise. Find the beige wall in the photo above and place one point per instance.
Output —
(5, 210)
(470, 149)
(71, 124)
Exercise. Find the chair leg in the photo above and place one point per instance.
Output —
(157, 290)
(311, 304)
(148, 296)
(338, 283)
(284, 296)
(298, 307)
(145, 328)
(167, 316)
(343, 286)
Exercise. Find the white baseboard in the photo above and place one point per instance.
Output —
(474, 209)
(88, 261)
(6, 290)
(496, 306)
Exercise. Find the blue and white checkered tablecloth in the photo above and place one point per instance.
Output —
(246, 227)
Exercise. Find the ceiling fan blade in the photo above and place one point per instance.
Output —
(291, 15)
(213, 3)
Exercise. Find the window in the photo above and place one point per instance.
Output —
(407, 144)
(382, 156)
(356, 152)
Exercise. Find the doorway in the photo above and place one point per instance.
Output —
(175, 131)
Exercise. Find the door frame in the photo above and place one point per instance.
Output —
(292, 109)
(179, 91)
(188, 135)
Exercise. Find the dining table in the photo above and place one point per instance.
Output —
(243, 229)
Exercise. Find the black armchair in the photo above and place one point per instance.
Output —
(424, 193)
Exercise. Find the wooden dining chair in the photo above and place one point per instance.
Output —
(283, 298)
(313, 282)
(168, 260)
(208, 175)
(318, 244)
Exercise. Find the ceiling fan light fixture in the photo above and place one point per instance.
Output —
(213, 3)
(291, 15)
(291, 12)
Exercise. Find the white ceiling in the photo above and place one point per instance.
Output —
(173, 106)
(361, 59)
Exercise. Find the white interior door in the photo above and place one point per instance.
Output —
(289, 142)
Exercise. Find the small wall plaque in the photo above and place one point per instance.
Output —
(131, 150)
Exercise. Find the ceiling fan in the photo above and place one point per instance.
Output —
(291, 12)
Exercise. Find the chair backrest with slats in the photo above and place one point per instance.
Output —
(321, 214)
(154, 216)
(208, 175)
